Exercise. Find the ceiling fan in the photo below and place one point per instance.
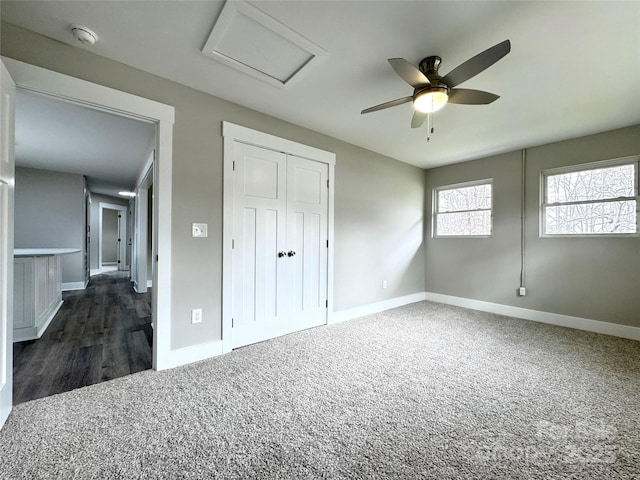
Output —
(431, 91)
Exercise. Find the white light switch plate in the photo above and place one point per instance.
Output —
(196, 315)
(199, 230)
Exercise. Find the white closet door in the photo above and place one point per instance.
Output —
(260, 208)
(307, 234)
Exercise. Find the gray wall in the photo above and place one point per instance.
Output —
(94, 216)
(49, 212)
(378, 208)
(109, 236)
(595, 278)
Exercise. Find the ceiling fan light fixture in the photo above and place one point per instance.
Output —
(431, 100)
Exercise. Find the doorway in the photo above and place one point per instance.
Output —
(45, 82)
(100, 330)
(113, 244)
(277, 236)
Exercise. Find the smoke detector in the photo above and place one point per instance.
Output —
(84, 35)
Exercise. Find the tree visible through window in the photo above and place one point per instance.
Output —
(596, 201)
(463, 210)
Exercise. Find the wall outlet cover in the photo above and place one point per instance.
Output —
(198, 230)
(196, 315)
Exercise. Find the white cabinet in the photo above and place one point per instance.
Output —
(37, 294)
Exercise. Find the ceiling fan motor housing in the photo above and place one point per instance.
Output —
(429, 67)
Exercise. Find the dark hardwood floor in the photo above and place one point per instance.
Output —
(99, 334)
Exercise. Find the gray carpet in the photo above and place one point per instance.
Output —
(423, 391)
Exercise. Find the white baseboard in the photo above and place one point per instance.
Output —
(149, 283)
(183, 356)
(342, 315)
(74, 286)
(95, 271)
(614, 329)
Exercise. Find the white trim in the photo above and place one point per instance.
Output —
(91, 95)
(240, 7)
(455, 186)
(195, 353)
(606, 328)
(594, 165)
(161, 249)
(357, 312)
(7, 182)
(140, 259)
(67, 286)
(227, 238)
(147, 168)
(265, 140)
(53, 84)
(149, 283)
(237, 133)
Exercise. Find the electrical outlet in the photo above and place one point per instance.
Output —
(196, 315)
(522, 291)
(384, 284)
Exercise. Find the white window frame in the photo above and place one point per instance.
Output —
(435, 212)
(632, 160)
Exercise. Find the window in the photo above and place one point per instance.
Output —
(594, 199)
(462, 210)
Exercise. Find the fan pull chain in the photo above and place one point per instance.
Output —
(429, 127)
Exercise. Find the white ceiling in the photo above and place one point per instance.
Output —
(574, 67)
(54, 135)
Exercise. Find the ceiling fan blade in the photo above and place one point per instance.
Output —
(418, 119)
(477, 64)
(409, 73)
(471, 97)
(392, 103)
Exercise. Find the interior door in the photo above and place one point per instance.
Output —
(259, 245)
(307, 237)
(7, 171)
(280, 251)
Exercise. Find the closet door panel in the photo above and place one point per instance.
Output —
(259, 296)
(307, 234)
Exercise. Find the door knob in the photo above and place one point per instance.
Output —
(291, 253)
(282, 254)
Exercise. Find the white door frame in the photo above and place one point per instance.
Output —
(140, 238)
(236, 133)
(122, 227)
(7, 172)
(70, 89)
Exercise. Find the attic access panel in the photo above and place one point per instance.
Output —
(251, 41)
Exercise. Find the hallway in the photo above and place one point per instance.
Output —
(99, 334)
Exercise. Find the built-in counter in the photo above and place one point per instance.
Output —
(37, 289)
